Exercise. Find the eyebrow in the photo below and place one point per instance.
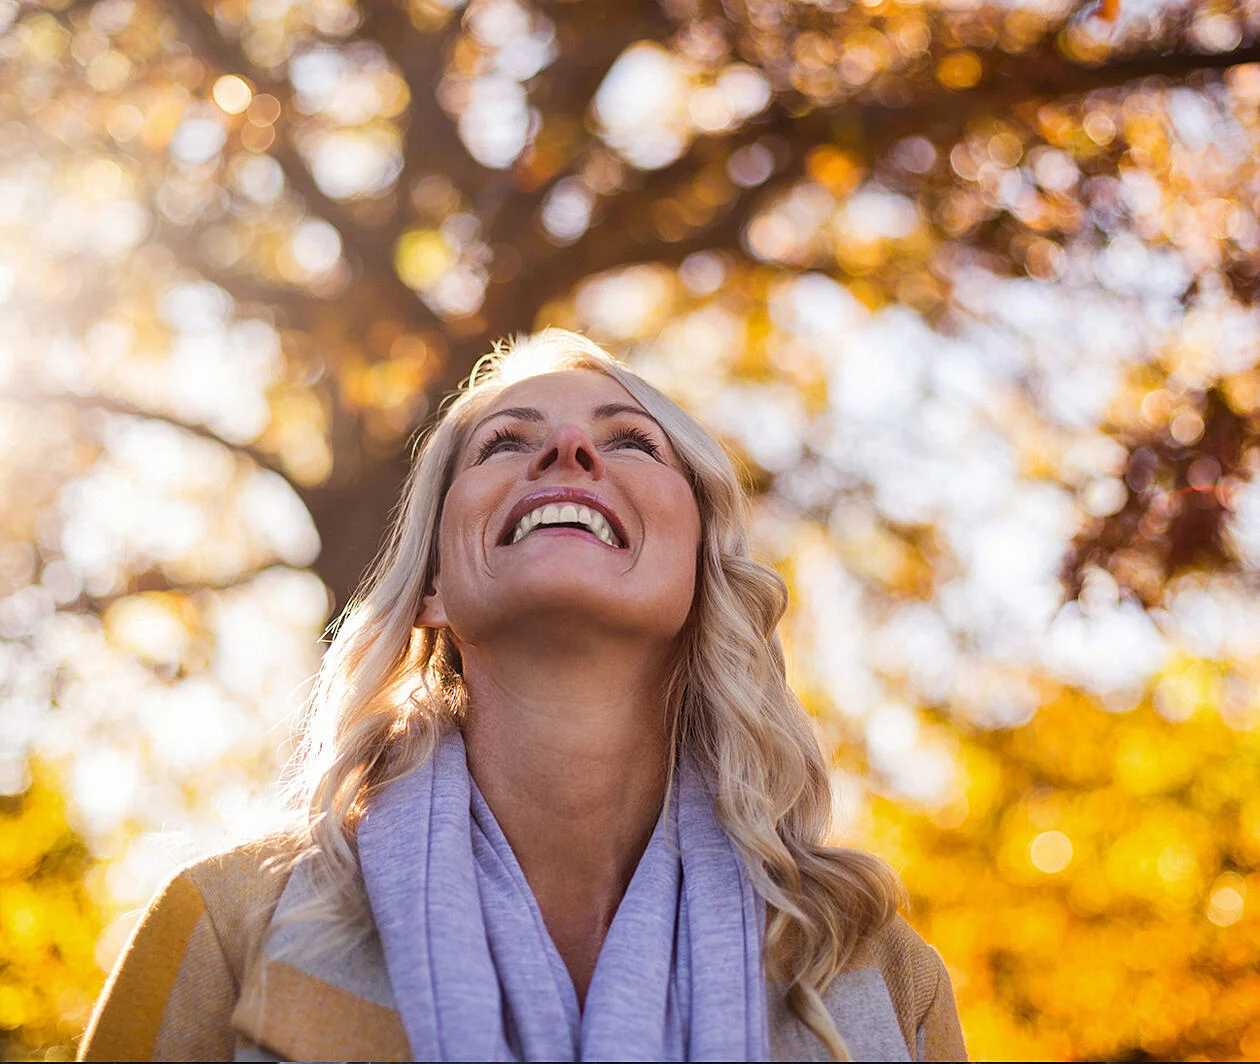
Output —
(613, 409)
(519, 413)
(600, 413)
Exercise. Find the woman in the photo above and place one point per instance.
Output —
(560, 802)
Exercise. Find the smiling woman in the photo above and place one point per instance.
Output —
(556, 799)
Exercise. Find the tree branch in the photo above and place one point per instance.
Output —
(1017, 81)
(592, 37)
(350, 513)
(432, 139)
(364, 246)
(156, 580)
(38, 397)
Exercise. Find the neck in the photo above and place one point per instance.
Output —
(570, 752)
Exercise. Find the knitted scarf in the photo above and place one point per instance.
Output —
(476, 976)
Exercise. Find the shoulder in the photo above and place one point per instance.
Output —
(238, 891)
(912, 970)
(173, 989)
(891, 1001)
(916, 983)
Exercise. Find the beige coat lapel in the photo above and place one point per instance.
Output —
(306, 1003)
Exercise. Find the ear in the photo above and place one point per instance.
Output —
(432, 612)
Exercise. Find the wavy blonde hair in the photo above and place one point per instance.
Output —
(387, 690)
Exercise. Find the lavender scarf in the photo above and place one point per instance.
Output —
(476, 975)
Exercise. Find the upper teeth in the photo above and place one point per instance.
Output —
(566, 514)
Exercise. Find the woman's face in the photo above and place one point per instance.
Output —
(569, 515)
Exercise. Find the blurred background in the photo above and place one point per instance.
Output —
(969, 285)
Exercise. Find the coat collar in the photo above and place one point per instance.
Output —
(305, 1003)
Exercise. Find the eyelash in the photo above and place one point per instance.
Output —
(637, 436)
(492, 444)
(622, 435)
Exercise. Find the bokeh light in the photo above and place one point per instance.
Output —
(968, 289)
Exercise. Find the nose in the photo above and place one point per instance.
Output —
(567, 448)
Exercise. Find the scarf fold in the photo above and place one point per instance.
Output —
(476, 975)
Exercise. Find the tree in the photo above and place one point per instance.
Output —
(970, 289)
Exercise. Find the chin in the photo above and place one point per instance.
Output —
(571, 612)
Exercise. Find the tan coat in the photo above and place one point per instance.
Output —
(197, 983)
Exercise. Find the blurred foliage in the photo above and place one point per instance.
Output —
(969, 288)
(1093, 885)
(48, 924)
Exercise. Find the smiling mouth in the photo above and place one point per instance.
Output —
(566, 515)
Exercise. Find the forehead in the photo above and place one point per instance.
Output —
(571, 391)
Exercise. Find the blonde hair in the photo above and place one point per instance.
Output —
(387, 690)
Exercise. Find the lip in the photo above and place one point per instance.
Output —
(544, 496)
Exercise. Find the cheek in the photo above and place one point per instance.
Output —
(466, 520)
(680, 517)
(684, 515)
